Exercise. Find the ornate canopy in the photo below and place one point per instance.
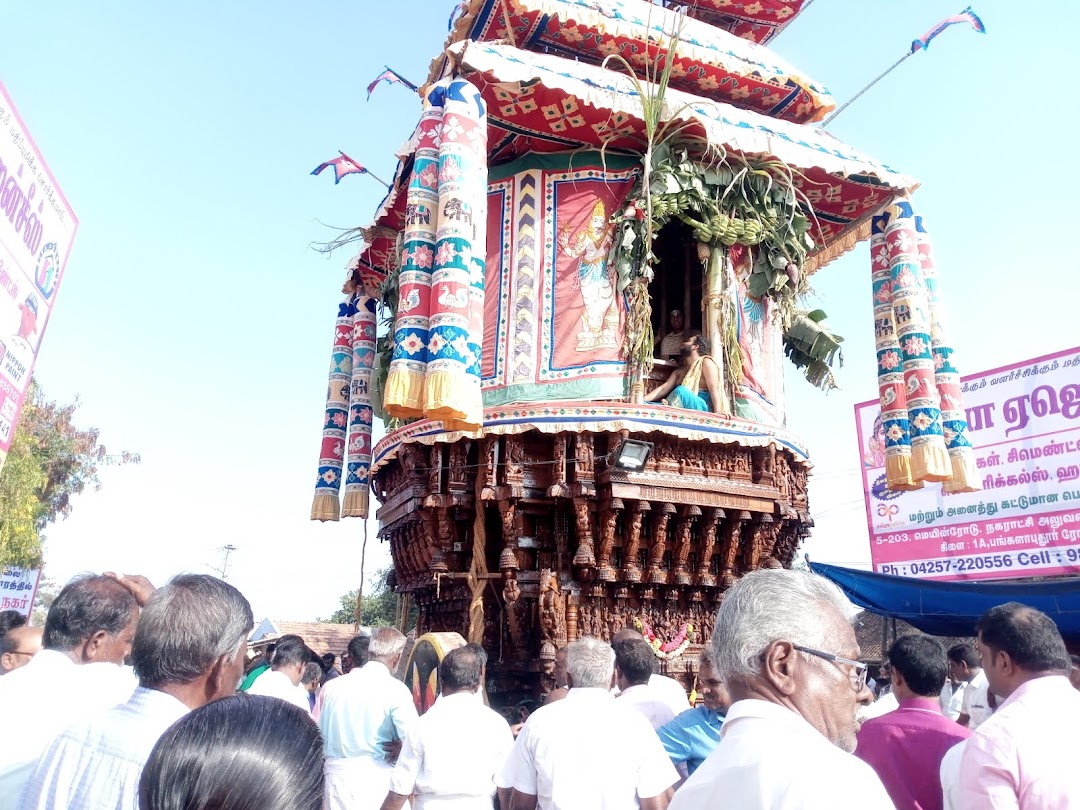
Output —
(546, 104)
(709, 62)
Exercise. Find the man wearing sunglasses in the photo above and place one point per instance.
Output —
(784, 645)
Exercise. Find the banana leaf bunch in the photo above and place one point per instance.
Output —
(812, 347)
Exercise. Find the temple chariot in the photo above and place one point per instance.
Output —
(580, 170)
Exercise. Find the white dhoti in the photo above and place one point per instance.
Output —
(356, 783)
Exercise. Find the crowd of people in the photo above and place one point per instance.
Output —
(135, 697)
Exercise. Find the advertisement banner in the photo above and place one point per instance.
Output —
(37, 229)
(1024, 422)
(18, 587)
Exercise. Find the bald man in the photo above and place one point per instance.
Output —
(18, 647)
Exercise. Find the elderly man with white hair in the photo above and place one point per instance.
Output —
(784, 645)
(586, 750)
(188, 650)
(364, 715)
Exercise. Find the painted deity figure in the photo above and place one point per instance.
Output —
(590, 247)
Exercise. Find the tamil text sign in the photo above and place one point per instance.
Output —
(1024, 422)
(18, 587)
(37, 228)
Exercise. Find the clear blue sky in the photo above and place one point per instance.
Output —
(194, 320)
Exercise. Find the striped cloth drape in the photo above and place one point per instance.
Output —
(358, 461)
(953, 418)
(438, 328)
(403, 396)
(335, 419)
(915, 371)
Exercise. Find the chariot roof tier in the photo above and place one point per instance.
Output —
(547, 104)
(708, 61)
(756, 20)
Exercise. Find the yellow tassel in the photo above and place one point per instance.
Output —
(898, 473)
(964, 475)
(930, 461)
(441, 397)
(404, 396)
(355, 503)
(325, 506)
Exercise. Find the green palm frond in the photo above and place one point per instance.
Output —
(813, 348)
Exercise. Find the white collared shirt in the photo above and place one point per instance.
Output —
(450, 755)
(667, 689)
(949, 772)
(360, 711)
(650, 702)
(587, 751)
(976, 704)
(97, 763)
(40, 700)
(273, 683)
(770, 758)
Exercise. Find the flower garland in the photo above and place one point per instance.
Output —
(666, 649)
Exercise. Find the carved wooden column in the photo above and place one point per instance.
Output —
(731, 538)
(514, 608)
(584, 465)
(759, 539)
(584, 557)
(435, 469)
(709, 528)
(658, 544)
(514, 466)
(487, 467)
(458, 475)
(688, 515)
(559, 487)
(508, 560)
(572, 632)
(436, 538)
(605, 573)
(631, 566)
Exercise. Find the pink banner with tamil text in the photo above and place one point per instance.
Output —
(1024, 421)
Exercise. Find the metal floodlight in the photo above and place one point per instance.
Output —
(631, 455)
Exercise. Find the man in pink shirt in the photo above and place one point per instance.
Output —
(905, 746)
(1016, 759)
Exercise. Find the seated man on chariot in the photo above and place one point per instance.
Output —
(694, 385)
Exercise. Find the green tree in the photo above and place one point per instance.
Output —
(379, 605)
(50, 461)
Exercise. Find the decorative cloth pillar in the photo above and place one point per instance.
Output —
(946, 377)
(358, 462)
(452, 388)
(325, 505)
(916, 377)
(404, 395)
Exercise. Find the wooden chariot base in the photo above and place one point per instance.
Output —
(574, 546)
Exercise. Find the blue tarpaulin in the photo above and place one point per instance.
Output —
(953, 608)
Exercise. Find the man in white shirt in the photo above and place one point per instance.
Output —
(1018, 758)
(450, 754)
(784, 646)
(364, 715)
(673, 692)
(634, 661)
(286, 670)
(964, 668)
(188, 650)
(587, 750)
(88, 635)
